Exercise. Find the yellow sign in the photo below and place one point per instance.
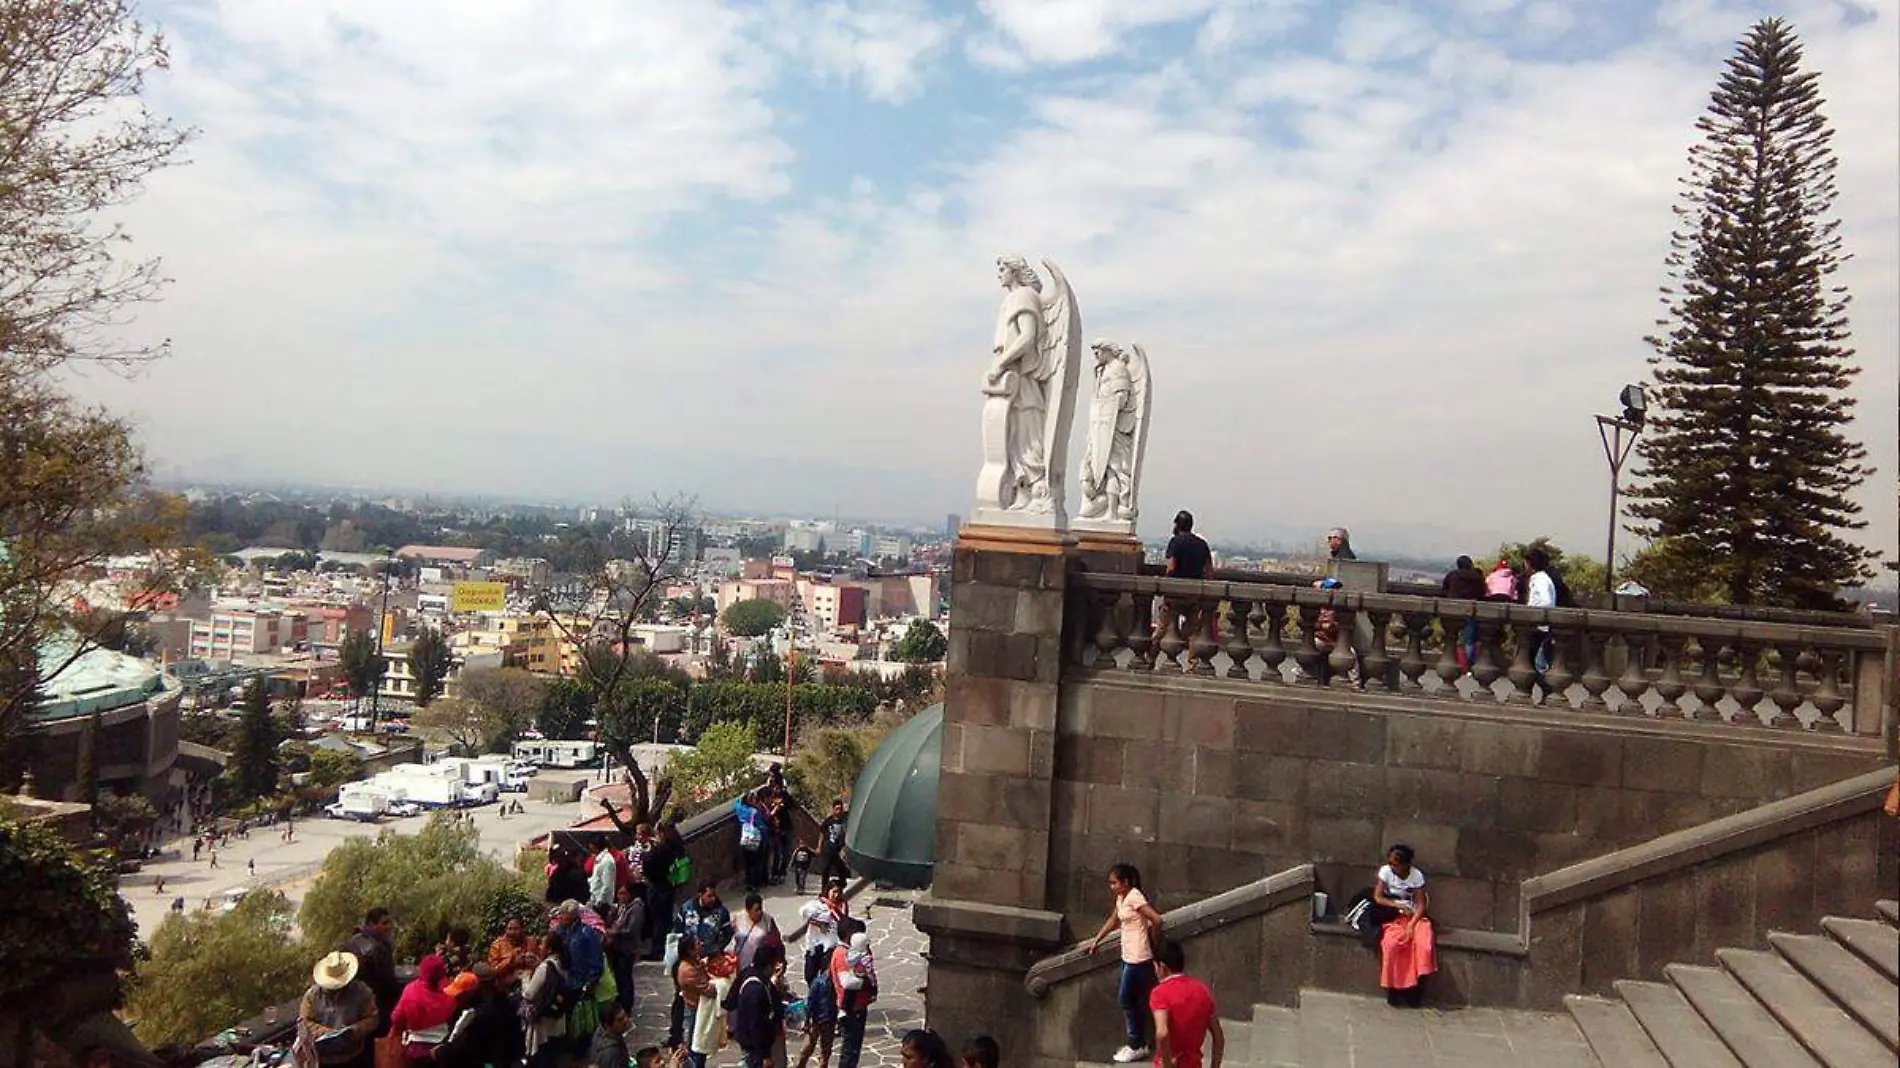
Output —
(479, 597)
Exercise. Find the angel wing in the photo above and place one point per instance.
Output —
(1143, 392)
(1061, 359)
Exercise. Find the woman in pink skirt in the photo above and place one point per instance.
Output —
(1407, 952)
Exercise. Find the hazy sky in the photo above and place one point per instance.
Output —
(1387, 259)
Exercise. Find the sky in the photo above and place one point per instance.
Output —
(1387, 259)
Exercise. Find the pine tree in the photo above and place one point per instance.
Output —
(430, 662)
(254, 759)
(1745, 466)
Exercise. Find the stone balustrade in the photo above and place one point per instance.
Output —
(1774, 675)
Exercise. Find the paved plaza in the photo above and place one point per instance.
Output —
(292, 866)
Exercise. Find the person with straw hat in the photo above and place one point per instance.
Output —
(338, 1013)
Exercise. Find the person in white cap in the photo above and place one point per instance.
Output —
(338, 1013)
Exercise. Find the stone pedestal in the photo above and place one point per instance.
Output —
(987, 917)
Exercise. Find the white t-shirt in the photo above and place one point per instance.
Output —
(1401, 890)
(821, 926)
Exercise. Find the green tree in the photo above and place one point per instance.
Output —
(830, 758)
(209, 970)
(1745, 465)
(472, 729)
(750, 619)
(922, 643)
(566, 706)
(1670, 573)
(629, 714)
(1581, 573)
(69, 936)
(716, 769)
(122, 818)
(254, 759)
(330, 769)
(429, 662)
(431, 880)
(361, 666)
(510, 694)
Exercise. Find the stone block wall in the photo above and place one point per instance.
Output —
(1206, 785)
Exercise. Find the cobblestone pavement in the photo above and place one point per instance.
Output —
(896, 945)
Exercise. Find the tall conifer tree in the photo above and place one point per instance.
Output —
(254, 761)
(1745, 463)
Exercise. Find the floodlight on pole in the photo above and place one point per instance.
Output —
(1612, 430)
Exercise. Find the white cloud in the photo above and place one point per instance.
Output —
(1384, 285)
(889, 46)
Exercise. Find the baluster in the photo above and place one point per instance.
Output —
(1595, 679)
(1709, 687)
(1205, 615)
(1669, 684)
(1827, 697)
(1377, 661)
(1446, 666)
(1787, 692)
(1239, 648)
(1108, 636)
(1412, 662)
(1490, 666)
(1747, 690)
(1273, 650)
(1558, 677)
(1634, 681)
(1522, 672)
(1141, 633)
(1170, 645)
(1342, 658)
(1307, 654)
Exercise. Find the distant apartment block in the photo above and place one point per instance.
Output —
(228, 635)
(650, 534)
(530, 570)
(780, 591)
(835, 606)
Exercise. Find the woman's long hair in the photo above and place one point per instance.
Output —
(935, 1050)
(1128, 874)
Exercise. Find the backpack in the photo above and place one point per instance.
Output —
(750, 837)
(681, 871)
(555, 1000)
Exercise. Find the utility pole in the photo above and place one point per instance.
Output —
(382, 625)
(1616, 449)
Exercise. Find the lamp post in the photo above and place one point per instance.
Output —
(1612, 430)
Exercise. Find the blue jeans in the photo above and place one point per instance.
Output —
(1541, 659)
(1469, 639)
(850, 1037)
(1137, 981)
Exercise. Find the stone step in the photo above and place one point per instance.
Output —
(1804, 1010)
(1889, 911)
(1613, 1033)
(1325, 1031)
(1240, 1042)
(1683, 1036)
(1847, 979)
(1872, 941)
(1276, 1037)
(1749, 1031)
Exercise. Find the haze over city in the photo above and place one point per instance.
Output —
(1387, 260)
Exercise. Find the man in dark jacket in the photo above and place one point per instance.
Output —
(610, 1041)
(756, 1010)
(667, 848)
(1464, 582)
(375, 949)
(487, 1031)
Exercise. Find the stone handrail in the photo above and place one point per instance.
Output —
(1774, 675)
(1701, 845)
(1293, 886)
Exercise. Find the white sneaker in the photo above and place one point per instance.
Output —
(1127, 1055)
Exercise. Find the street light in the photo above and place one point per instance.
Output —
(1616, 449)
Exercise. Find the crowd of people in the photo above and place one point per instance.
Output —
(549, 1000)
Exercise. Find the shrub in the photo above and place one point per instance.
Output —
(429, 881)
(63, 914)
(716, 769)
(209, 970)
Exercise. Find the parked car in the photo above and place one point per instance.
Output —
(334, 810)
(404, 808)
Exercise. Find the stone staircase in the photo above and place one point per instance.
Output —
(1813, 1001)
(1810, 1001)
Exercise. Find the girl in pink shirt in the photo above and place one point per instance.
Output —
(1138, 921)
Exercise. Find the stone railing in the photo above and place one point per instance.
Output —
(1771, 674)
(1291, 887)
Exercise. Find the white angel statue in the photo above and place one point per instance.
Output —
(1118, 434)
(1030, 394)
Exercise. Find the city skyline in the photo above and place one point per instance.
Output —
(1387, 261)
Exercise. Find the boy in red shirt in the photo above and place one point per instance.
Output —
(1184, 1013)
